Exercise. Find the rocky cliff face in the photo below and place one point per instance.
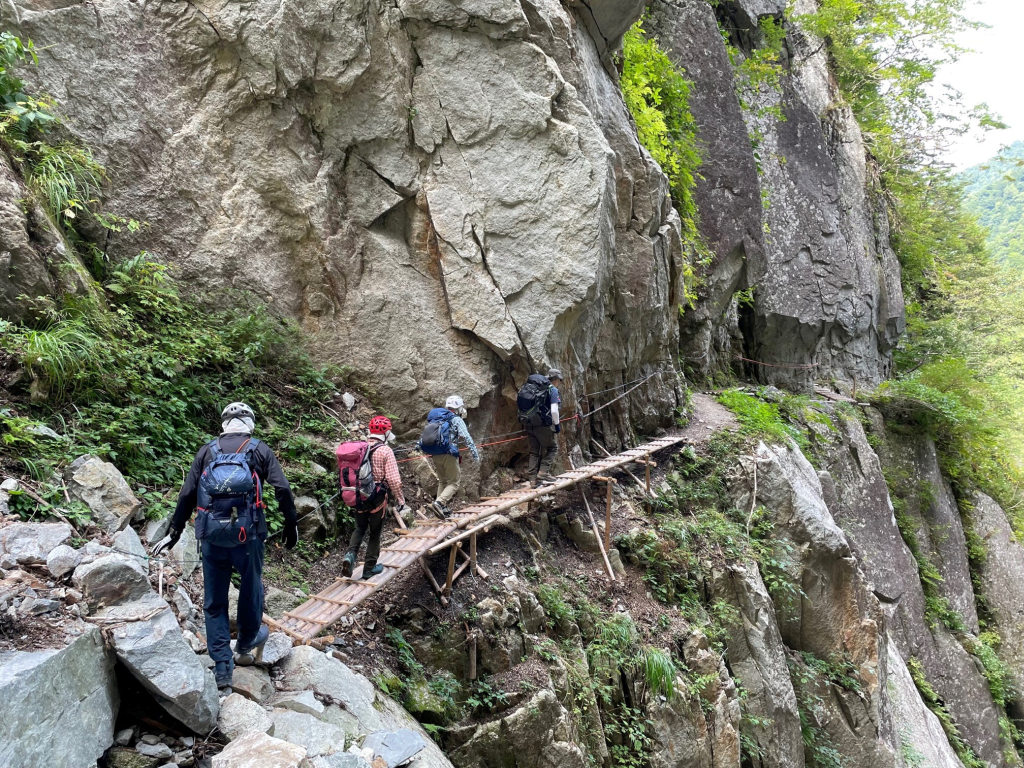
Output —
(788, 207)
(445, 194)
(448, 195)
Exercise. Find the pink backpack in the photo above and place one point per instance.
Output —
(355, 473)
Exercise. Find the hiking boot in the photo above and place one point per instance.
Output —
(347, 565)
(440, 509)
(246, 656)
(377, 569)
(545, 478)
(224, 672)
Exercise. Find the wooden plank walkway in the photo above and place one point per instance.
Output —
(308, 620)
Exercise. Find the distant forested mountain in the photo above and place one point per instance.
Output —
(995, 192)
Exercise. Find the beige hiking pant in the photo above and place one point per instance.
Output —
(449, 476)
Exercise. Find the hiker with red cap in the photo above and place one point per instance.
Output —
(369, 479)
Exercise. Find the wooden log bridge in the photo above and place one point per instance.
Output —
(308, 620)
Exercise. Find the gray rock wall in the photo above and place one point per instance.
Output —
(787, 206)
(827, 610)
(445, 194)
(865, 511)
(1001, 583)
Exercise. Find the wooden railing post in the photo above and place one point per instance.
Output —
(451, 568)
(608, 518)
(647, 479)
(472, 553)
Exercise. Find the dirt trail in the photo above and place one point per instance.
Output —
(709, 416)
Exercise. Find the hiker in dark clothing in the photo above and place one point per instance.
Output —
(224, 486)
(538, 402)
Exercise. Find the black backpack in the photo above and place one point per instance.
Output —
(534, 402)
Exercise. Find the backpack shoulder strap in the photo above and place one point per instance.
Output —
(214, 446)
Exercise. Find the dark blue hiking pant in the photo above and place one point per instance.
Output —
(218, 562)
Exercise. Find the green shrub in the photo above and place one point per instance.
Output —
(967, 419)
(658, 97)
(660, 671)
(19, 112)
(760, 419)
(142, 381)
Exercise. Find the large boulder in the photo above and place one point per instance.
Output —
(314, 520)
(258, 750)
(921, 740)
(929, 509)
(62, 560)
(238, 715)
(35, 259)
(679, 731)
(111, 580)
(253, 683)
(363, 710)
(128, 543)
(318, 737)
(540, 733)
(801, 219)
(699, 726)
(148, 641)
(394, 747)
(103, 489)
(57, 707)
(31, 543)
(308, 669)
(823, 602)
(866, 512)
(727, 190)
(298, 701)
(757, 658)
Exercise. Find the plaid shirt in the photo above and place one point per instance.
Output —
(462, 433)
(386, 468)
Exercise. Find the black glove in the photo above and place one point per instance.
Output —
(167, 542)
(557, 428)
(291, 534)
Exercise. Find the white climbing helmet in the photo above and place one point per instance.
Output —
(237, 411)
(454, 403)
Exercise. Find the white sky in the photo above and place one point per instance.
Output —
(992, 74)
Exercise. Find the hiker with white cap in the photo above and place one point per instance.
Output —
(445, 429)
(225, 487)
(538, 402)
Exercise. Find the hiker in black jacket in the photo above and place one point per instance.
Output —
(224, 486)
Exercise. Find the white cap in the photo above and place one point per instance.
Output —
(454, 403)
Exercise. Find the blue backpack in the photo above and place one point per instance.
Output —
(230, 498)
(436, 439)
